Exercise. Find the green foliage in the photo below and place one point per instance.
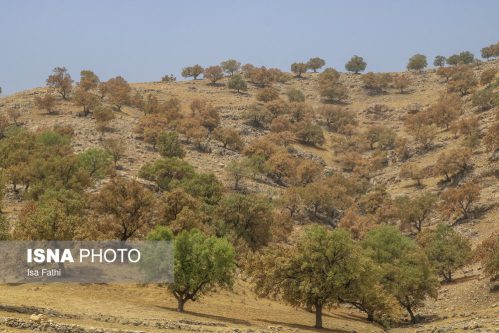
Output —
(96, 162)
(446, 249)
(168, 145)
(192, 71)
(439, 61)
(417, 62)
(315, 63)
(407, 273)
(295, 95)
(310, 134)
(245, 219)
(57, 215)
(356, 64)
(166, 170)
(160, 233)
(230, 66)
(237, 82)
(205, 186)
(201, 264)
(299, 68)
(316, 274)
(413, 213)
(463, 58)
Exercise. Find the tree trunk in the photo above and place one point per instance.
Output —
(411, 314)
(370, 316)
(180, 307)
(318, 315)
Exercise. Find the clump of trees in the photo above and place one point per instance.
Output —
(491, 51)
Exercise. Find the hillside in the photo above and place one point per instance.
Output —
(464, 304)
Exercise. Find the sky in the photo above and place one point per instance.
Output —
(143, 40)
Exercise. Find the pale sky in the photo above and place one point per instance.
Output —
(143, 40)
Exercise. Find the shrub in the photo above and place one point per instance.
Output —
(338, 119)
(299, 68)
(295, 95)
(458, 202)
(267, 94)
(453, 162)
(401, 82)
(86, 100)
(96, 162)
(417, 62)
(229, 137)
(47, 103)
(236, 82)
(169, 145)
(315, 63)
(491, 139)
(356, 64)
(445, 110)
(485, 99)
(462, 81)
(488, 76)
(310, 134)
(376, 82)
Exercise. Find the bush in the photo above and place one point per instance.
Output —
(488, 76)
(401, 82)
(453, 162)
(295, 95)
(376, 82)
(485, 99)
(299, 68)
(491, 139)
(267, 94)
(356, 64)
(169, 145)
(229, 137)
(310, 134)
(236, 82)
(338, 119)
(458, 202)
(462, 80)
(47, 103)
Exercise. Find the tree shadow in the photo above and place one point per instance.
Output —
(460, 280)
(216, 84)
(303, 327)
(234, 321)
